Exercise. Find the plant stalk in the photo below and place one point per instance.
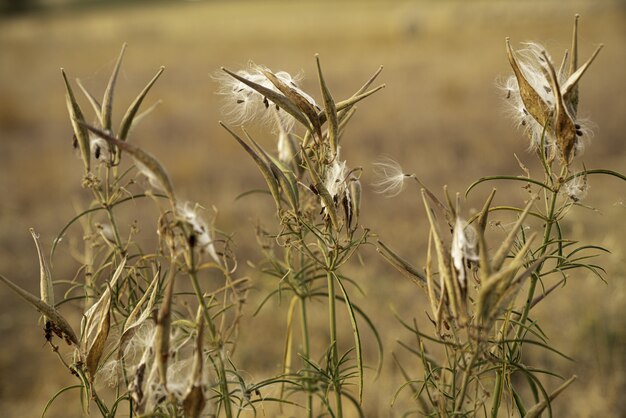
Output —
(333, 340)
(307, 347)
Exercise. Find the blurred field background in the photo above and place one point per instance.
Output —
(440, 116)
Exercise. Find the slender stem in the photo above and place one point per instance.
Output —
(116, 233)
(466, 376)
(224, 384)
(497, 394)
(535, 277)
(193, 274)
(333, 340)
(305, 338)
(550, 216)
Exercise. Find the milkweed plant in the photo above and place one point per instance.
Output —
(160, 324)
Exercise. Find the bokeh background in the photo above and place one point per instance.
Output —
(441, 116)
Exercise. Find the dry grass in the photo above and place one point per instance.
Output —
(440, 65)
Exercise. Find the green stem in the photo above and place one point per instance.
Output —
(535, 277)
(466, 376)
(497, 391)
(497, 394)
(116, 233)
(333, 340)
(307, 348)
(224, 384)
(213, 333)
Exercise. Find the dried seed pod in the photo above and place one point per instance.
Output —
(195, 401)
(145, 162)
(330, 110)
(354, 190)
(295, 97)
(78, 121)
(162, 338)
(59, 325)
(45, 278)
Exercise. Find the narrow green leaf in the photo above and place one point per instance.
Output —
(596, 171)
(56, 395)
(287, 352)
(356, 334)
(536, 410)
(515, 178)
